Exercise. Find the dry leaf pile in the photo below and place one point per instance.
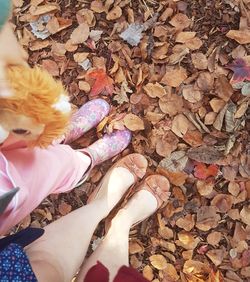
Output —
(177, 73)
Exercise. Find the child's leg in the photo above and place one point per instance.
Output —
(153, 191)
(58, 254)
(117, 237)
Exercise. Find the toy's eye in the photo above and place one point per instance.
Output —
(21, 131)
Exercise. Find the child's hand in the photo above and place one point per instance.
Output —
(10, 51)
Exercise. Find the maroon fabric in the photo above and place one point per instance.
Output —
(129, 274)
(99, 273)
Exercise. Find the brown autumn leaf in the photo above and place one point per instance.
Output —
(233, 188)
(97, 6)
(64, 208)
(217, 104)
(183, 36)
(43, 9)
(207, 218)
(194, 43)
(80, 34)
(158, 261)
(216, 256)
(193, 138)
(51, 67)
(135, 247)
(170, 273)
(205, 187)
(222, 202)
(241, 36)
(199, 61)
(180, 21)
(187, 222)
(214, 238)
(194, 267)
(114, 13)
(133, 122)
(171, 104)
(166, 144)
(205, 154)
(245, 214)
(187, 240)
(205, 81)
(154, 90)
(148, 273)
(191, 94)
(223, 88)
(174, 76)
(181, 125)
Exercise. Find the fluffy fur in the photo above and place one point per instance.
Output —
(35, 92)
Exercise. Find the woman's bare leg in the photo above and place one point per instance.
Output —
(58, 254)
(113, 251)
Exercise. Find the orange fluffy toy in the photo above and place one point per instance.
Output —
(38, 110)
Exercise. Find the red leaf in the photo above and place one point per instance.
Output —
(201, 171)
(103, 83)
(241, 70)
(245, 259)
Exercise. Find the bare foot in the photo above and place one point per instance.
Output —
(119, 178)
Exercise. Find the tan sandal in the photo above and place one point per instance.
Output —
(157, 185)
(136, 164)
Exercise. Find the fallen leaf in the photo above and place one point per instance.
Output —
(207, 218)
(241, 69)
(214, 238)
(171, 104)
(154, 90)
(114, 13)
(216, 256)
(64, 208)
(199, 61)
(176, 162)
(223, 88)
(133, 34)
(103, 83)
(158, 261)
(187, 223)
(183, 36)
(222, 202)
(133, 122)
(191, 95)
(181, 125)
(148, 273)
(174, 76)
(187, 240)
(196, 267)
(241, 36)
(80, 34)
(180, 21)
(170, 273)
(193, 138)
(51, 67)
(205, 188)
(245, 214)
(166, 144)
(205, 81)
(97, 6)
(204, 154)
(43, 9)
(201, 171)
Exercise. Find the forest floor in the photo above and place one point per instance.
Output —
(179, 78)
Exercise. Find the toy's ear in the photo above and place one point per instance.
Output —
(62, 105)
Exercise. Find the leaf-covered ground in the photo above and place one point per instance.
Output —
(177, 73)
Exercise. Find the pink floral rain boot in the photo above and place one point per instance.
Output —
(87, 117)
(106, 148)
